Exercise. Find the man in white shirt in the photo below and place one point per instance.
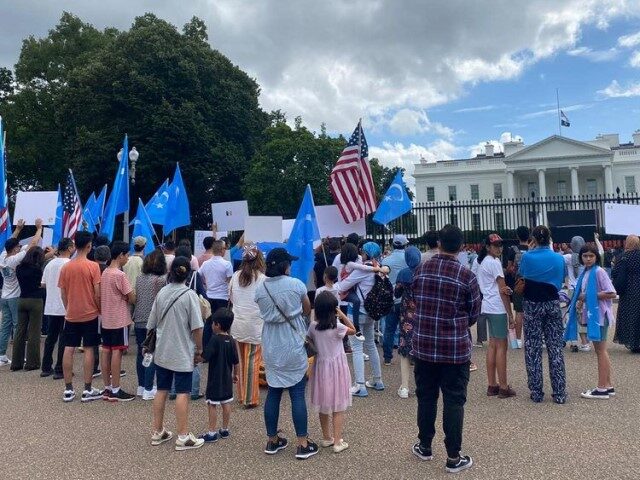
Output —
(54, 309)
(216, 273)
(9, 260)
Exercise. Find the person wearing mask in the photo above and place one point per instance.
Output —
(283, 301)
(448, 303)
(9, 259)
(542, 271)
(54, 309)
(396, 262)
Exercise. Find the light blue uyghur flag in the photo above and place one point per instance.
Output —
(5, 219)
(57, 227)
(157, 207)
(119, 199)
(88, 223)
(142, 227)
(395, 203)
(98, 206)
(304, 232)
(178, 204)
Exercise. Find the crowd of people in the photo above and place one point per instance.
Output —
(243, 318)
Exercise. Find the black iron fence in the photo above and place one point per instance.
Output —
(477, 218)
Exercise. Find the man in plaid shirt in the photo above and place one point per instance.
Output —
(448, 302)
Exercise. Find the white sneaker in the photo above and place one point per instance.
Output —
(149, 394)
(519, 343)
(585, 348)
(140, 391)
(68, 396)
(366, 357)
(326, 443)
(190, 443)
(4, 360)
(403, 392)
(159, 438)
(91, 395)
(359, 336)
(340, 446)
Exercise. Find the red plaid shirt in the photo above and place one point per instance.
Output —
(447, 303)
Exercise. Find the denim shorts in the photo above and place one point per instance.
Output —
(498, 325)
(166, 377)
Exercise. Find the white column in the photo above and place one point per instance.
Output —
(608, 180)
(575, 186)
(542, 183)
(510, 190)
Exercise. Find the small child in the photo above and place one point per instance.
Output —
(330, 277)
(331, 378)
(222, 355)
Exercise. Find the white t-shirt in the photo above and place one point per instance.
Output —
(11, 287)
(333, 291)
(488, 271)
(215, 272)
(247, 321)
(53, 304)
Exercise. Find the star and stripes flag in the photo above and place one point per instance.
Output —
(351, 182)
(71, 208)
(5, 221)
(564, 120)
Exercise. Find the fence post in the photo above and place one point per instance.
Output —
(452, 210)
(618, 200)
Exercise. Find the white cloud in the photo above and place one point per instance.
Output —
(411, 122)
(629, 41)
(554, 111)
(615, 90)
(483, 108)
(498, 145)
(634, 61)
(595, 55)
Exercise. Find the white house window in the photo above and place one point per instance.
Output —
(630, 184)
(497, 190)
(532, 187)
(562, 188)
(453, 192)
(431, 194)
(475, 221)
(499, 216)
(432, 222)
(592, 186)
(475, 192)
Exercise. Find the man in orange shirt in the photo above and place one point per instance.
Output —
(80, 290)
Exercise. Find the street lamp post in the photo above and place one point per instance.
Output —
(133, 158)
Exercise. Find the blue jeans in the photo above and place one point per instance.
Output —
(298, 408)
(368, 346)
(390, 329)
(145, 374)
(9, 308)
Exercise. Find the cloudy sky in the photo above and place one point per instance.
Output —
(433, 79)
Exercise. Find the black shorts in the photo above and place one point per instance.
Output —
(86, 333)
(115, 338)
(165, 378)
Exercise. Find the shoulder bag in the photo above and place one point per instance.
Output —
(309, 345)
(149, 344)
(205, 306)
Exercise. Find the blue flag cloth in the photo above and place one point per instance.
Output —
(304, 232)
(57, 227)
(88, 223)
(591, 306)
(98, 206)
(5, 220)
(119, 199)
(157, 207)
(395, 203)
(265, 247)
(142, 227)
(178, 204)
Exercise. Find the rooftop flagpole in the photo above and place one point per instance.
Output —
(559, 118)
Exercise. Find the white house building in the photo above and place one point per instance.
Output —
(555, 166)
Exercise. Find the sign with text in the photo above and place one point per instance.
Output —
(331, 224)
(230, 215)
(32, 205)
(263, 229)
(621, 219)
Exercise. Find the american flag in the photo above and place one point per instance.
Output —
(351, 181)
(71, 209)
(5, 224)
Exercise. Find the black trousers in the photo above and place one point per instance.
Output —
(54, 335)
(452, 379)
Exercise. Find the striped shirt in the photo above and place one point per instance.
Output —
(447, 303)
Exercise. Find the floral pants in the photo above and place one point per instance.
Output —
(544, 320)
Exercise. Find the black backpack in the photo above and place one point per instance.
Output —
(379, 300)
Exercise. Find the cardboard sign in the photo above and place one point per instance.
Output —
(199, 236)
(262, 229)
(32, 205)
(331, 224)
(45, 241)
(621, 219)
(230, 216)
(287, 226)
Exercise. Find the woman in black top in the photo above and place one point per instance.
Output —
(30, 306)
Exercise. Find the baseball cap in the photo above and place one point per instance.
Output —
(493, 238)
(400, 240)
(279, 255)
(140, 241)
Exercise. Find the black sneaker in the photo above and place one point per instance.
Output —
(596, 393)
(274, 447)
(46, 373)
(305, 452)
(96, 373)
(224, 433)
(58, 376)
(611, 391)
(423, 453)
(122, 396)
(123, 373)
(462, 463)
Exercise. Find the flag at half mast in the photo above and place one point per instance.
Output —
(351, 182)
(564, 120)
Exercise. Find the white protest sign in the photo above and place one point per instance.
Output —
(199, 236)
(621, 219)
(230, 215)
(287, 226)
(263, 229)
(45, 241)
(32, 205)
(331, 224)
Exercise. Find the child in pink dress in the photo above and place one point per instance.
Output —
(331, 378)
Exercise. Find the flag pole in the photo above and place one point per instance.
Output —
(559, 118)
(149, 220)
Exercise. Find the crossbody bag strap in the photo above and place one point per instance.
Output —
(171, 305)
(282, 313)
